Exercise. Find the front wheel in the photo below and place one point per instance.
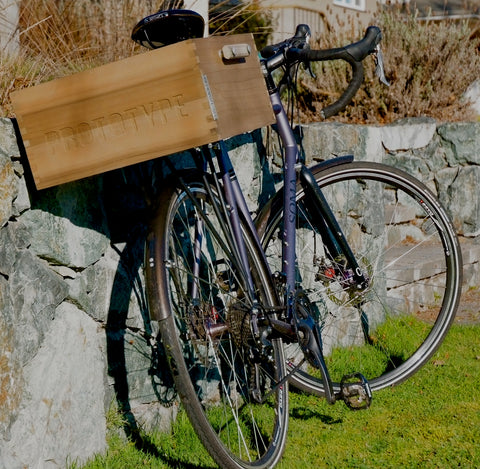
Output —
(230, 384)
(405, 246)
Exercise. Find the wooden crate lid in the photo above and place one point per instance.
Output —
(238, 87)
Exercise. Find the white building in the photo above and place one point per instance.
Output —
(319, 14)
(8, 25)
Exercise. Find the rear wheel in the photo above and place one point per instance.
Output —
(227, 380)
(405, 246)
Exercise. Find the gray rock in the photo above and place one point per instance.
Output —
(22, 200)
(150, 397)
(408, 134)
(11, 371)
(410, 163)
(457, 188)
(92, 289)
(8, 140)
(60, 241)
(246, 160)
(62, 416)
(109, 285)
(8, 189)
(323, 141)
(8, 250)
(35, 292)
(472, 96)
(464, 138)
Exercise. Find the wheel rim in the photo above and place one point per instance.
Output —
(407, 308)
(238, 408)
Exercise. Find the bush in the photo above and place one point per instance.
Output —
(429, 65)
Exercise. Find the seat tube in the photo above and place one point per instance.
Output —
(229, 180)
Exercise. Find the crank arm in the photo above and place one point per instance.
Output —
(311, 343)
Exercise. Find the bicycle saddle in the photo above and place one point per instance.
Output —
(168, 27)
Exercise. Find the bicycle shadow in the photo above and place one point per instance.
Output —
(299, 412)
(128, 212)
(307, 414)
(128, 202)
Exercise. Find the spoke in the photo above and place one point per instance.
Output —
(235, 415)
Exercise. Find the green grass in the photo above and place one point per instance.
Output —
(430, 421)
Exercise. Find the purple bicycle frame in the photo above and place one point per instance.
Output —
(237, 203)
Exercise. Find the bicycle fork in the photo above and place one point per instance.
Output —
(332, 235)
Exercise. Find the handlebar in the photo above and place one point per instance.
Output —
(296, 50)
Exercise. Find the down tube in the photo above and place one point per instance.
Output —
(290, 190)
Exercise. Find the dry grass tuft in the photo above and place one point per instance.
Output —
(69, 32)
(61, 37)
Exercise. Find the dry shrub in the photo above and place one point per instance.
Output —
(242, 17)
(79, 33)
(429, 64)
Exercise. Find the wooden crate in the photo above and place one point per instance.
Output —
(153, 104)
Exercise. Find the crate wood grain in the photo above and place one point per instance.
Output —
(149, 105)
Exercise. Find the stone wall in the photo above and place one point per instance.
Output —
(75, 339)
(446, 157)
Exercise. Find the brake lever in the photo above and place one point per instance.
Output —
(308, 67)
(379, 68)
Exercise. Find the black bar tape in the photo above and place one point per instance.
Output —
(353, 54)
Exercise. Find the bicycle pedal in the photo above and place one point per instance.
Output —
(355, 391)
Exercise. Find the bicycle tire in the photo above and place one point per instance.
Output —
(406, 245)
(236, 402)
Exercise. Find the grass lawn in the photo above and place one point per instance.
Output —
(430, 421)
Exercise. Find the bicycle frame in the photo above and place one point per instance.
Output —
(235, 208)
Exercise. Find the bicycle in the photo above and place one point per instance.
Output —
(323, 290)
